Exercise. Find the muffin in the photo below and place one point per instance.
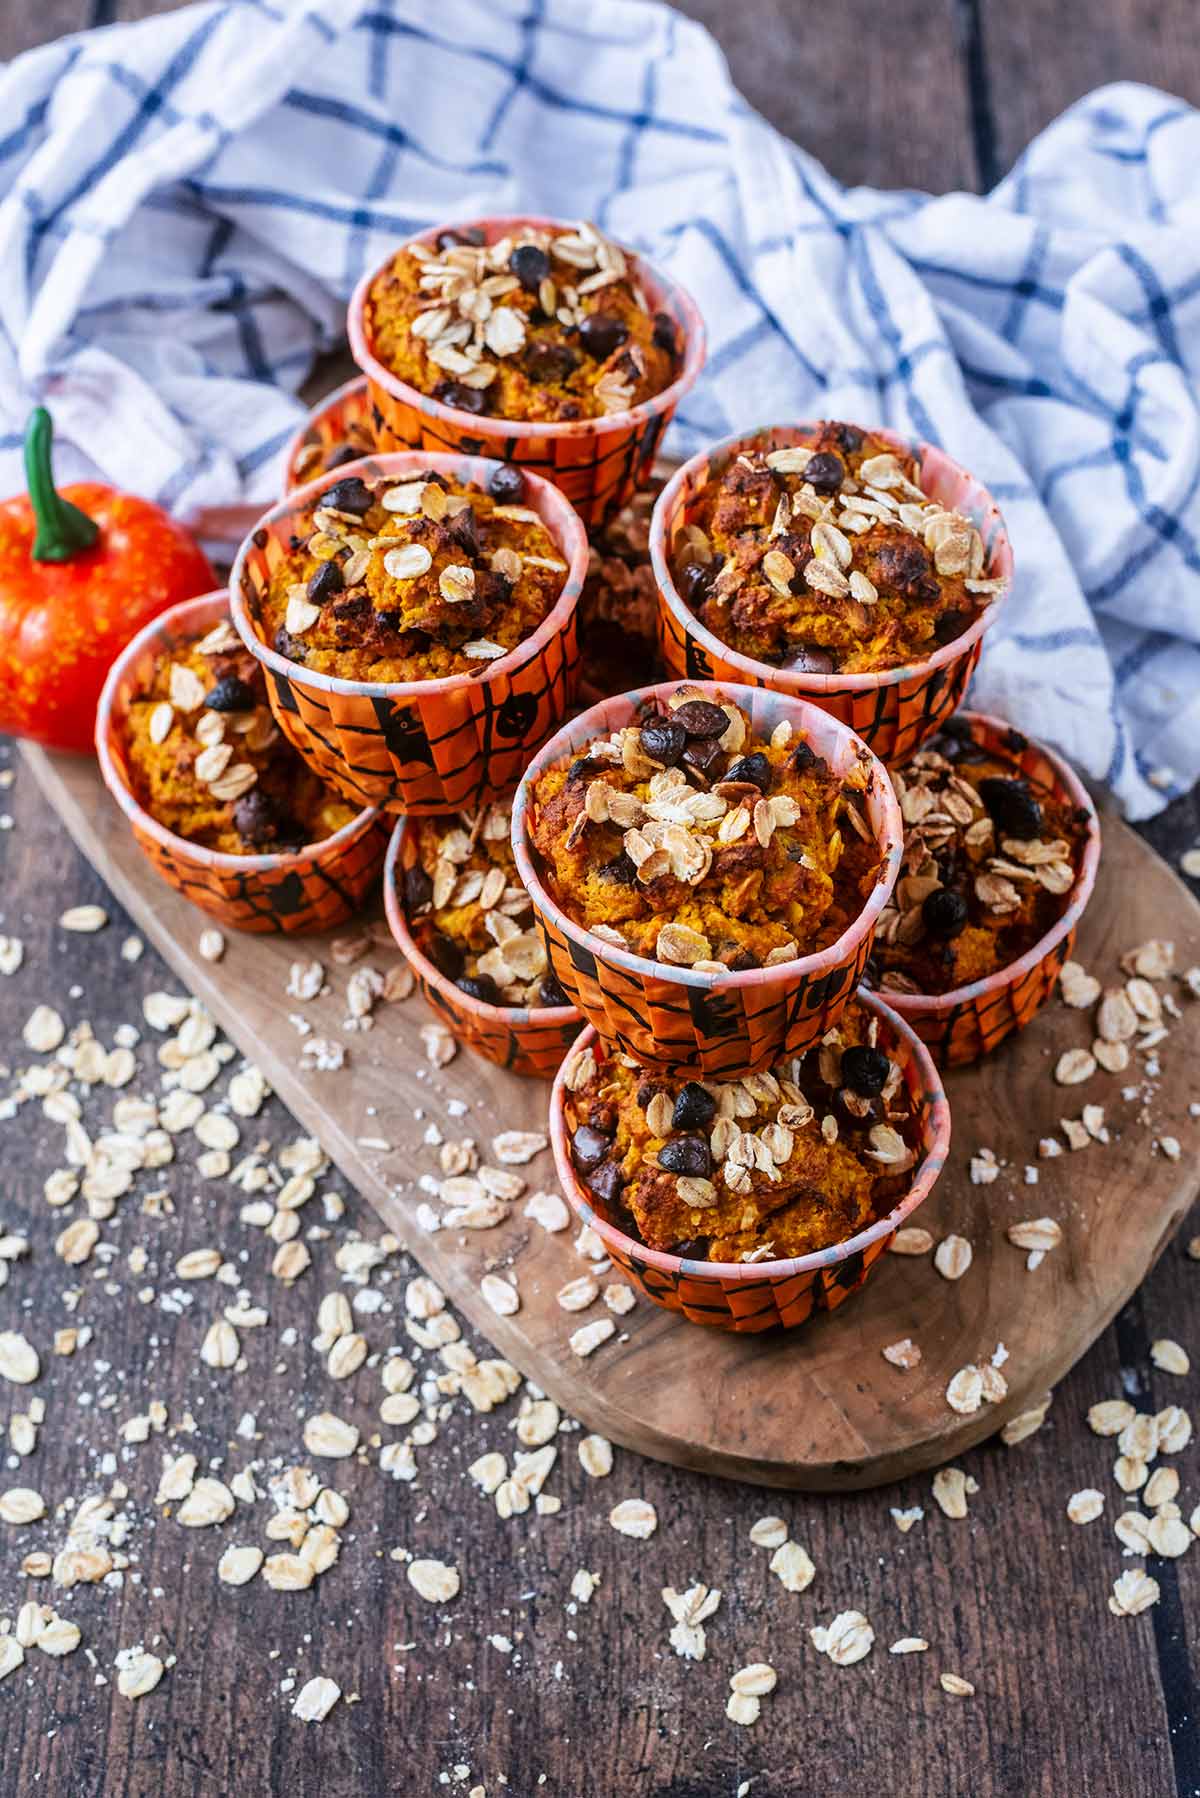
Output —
(826, 556)
(772, 1166)
(687, 838)
(410, 579)
(548, 324)
(217, 800)
(207, 760)
(470, 916)
(991, 859)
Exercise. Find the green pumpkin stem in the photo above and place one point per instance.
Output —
(63, 530)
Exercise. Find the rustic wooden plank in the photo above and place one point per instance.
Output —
(1044, 54)
(877, 93)
(23, 24)
(1013, 1599)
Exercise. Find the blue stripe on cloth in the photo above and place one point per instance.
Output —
(540, 89)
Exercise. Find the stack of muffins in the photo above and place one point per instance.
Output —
(775, 888)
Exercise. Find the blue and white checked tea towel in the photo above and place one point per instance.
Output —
(185, 205)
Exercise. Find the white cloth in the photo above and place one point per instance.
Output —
(186, 203)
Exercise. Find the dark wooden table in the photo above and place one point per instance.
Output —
(1069, 1700)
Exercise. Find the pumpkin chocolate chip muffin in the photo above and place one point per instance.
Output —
(770, 1166)
(989, 863)
(544, 325)
(412, 579)
(686, 839)
(470, 915)
(207, 760)
(827, 557)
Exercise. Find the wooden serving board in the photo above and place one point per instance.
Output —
(817, 1408)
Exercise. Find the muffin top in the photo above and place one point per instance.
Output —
(207, 760)
(541, 325)
(989, 862)
(470, 915)
(762, 1168)
(685, 838)
(828, 558)
(412, 578)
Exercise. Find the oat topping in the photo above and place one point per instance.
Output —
(540, 324)
(408, 580)
(987, 867)
(470, 915)
(688, 840)
(210, 763)
(772, 1165)
(829, 556)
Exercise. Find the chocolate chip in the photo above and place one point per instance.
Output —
(695, 1108)
(647, 1090)
(418, 889)
(695, 581)
(446, 955)
(338, 456)
(702, 752)
(351, 495)
(621, 870)
(803, 757)
(803, 660)
(601, 333)
(231, 694)
(530, 265)
(1015, 743)
(547, 362)
(257, 818)
(507, 484)
(448, 240)
(463, 529)
(550, 993)
(849, 437)
(1012, 807)
(663, 741)
(744, 959)
(481, 987)
(589, 1147)
(951, 624)
(664, 332)
(825, 471)
(686, 1155)
(607, 1182)
(324, 583)
(463, 399)
(865, 1070)
(582, 766)
(944, 912)
(700, 719)
(754, 768)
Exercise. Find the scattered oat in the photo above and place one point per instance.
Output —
(437, 1582)
(1168, 1356)
(849, 1638)
(953, 1257)
(634, 1517)
(315, 1699)
(596, 1456)
(957, 1688)
(1133, 1592)
(1085, 1505)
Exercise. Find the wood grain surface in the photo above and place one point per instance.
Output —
(818, 1409)
(1069, 1699)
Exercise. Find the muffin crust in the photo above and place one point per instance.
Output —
(828, 557)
